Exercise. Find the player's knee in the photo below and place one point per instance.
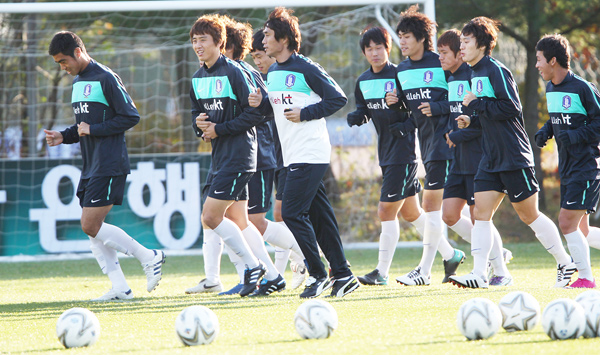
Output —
(90, 228)
(450, 218)
(566, 224)
(211, 220)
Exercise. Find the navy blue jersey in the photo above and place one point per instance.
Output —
(467, 152)
(425, 81)
(574, 107)
(506, 145)
(221, 92)
(370, 101)
(100, 99)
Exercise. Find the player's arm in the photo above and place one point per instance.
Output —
(396, 99)
(126, 114)
(196, 111)
(464, 135)
(506, 105)
(70, 135)
(332, 96)
(590, 132)
(439, 108)
(543, 134)
(361, 115)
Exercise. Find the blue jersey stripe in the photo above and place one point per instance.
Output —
(503, 79)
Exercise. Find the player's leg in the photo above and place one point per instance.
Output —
(109, 264)
(592, 233)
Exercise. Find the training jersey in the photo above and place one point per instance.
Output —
(425, 81)
(221, 92)
(574, 106)
(100, 99)
(300, 82)
(276, 144)
(369, 94)
(467, 152)
(506, 145)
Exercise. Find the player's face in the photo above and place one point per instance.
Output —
(376, 55)
(262, 61)
(448, 59)
(69, 64)
(542, 65)
(409, 45)
(272, 46)
(205, 48)
(469, 51)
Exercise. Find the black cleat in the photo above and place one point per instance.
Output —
(314, 287)
(450, 266)
(373, 278)
(269, 287)
(251, 279)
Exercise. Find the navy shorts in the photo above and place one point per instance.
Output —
(399, 182)
(460, 186)
(227, 186)
(260, 190)
(580, 195)
(280, 176)
(435, 174)
(101, 191)
(518, 184)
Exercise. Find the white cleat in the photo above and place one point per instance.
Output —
(469, 281)
(414, 278)
(564, 274)
(206, 287)
(298, 275)
(153, 270)
(114, 295)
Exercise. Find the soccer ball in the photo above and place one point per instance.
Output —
(315, 319)
(520, 311)
(563, 318)
(478, 318)
(197, 325)
(591, 309)
(587, 294)
(77, 327)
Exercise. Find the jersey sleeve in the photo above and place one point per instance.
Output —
(439, 108)
(506, 105)
(70, 135)
(196, 110)
(590, 132)
(361, 104)
(464, 135)
(332, 96)
(126, 114)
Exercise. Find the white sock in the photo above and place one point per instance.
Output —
(546, 232)
(109, 263)
(116, 238)
(481, 244)
(212, 248)
(431, 240)
(257, 245)
(463, 228)
(497, 254)
(281, 259)
(388, 240)
(296, 256)
(444, 248)
(419, 224)
(233, 238)
(580, 252)
(593, 237)
(240, 268)
(278, 234)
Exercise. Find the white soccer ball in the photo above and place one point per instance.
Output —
(478, 318)
(197, 325)
(591, 309)
(315, 319)
(563, 318)
(520, 311)
(587, 294)
(77, 327)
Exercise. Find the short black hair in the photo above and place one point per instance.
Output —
(285, 25)
(555, 46)
(257, 39)
(451, 39)
(65, 42)
(377, 35)
(421, 26)
(485, 31)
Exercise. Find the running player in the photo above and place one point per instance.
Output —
(507, 162)
(103, 112)
(574, 109)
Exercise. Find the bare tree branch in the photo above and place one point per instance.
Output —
(593, 17)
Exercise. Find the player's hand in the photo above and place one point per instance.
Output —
(292, 114)
(564, 138)
(53, 138)
(541, 138)
(468, 98)
(425, 108)
(463, 121)
(401, 129)
(449, 141)
(206, 139)
(356, 119)
(391, 98)
(255, 98)
(201, 118)
(83, 129)
(208, 129)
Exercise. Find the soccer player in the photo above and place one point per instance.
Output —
(421, 81)
(507, 160)
(103, 112)
(574, 109)
(221, 114)
(302, 94)
(458, 190)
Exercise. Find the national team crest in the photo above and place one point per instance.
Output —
(461, 90)
(219, 86)
(389, 86)
(290, 80)
(87, 90)
(479, 86)
(428, 77)
(566, 102)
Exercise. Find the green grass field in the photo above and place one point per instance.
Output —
(372, 320)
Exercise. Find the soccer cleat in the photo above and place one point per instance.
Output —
(564, 274)
(114, 295)
(251, 279)
(373, 278)
(268, 287)
(450, 266)
(314, 287)
(507, 254)
(153, 270)
(343, 287)
(298, 274)
(414, 278)
(205, 287)
(232, 291)
(583, 283)
(501, 281)
(469, 281)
